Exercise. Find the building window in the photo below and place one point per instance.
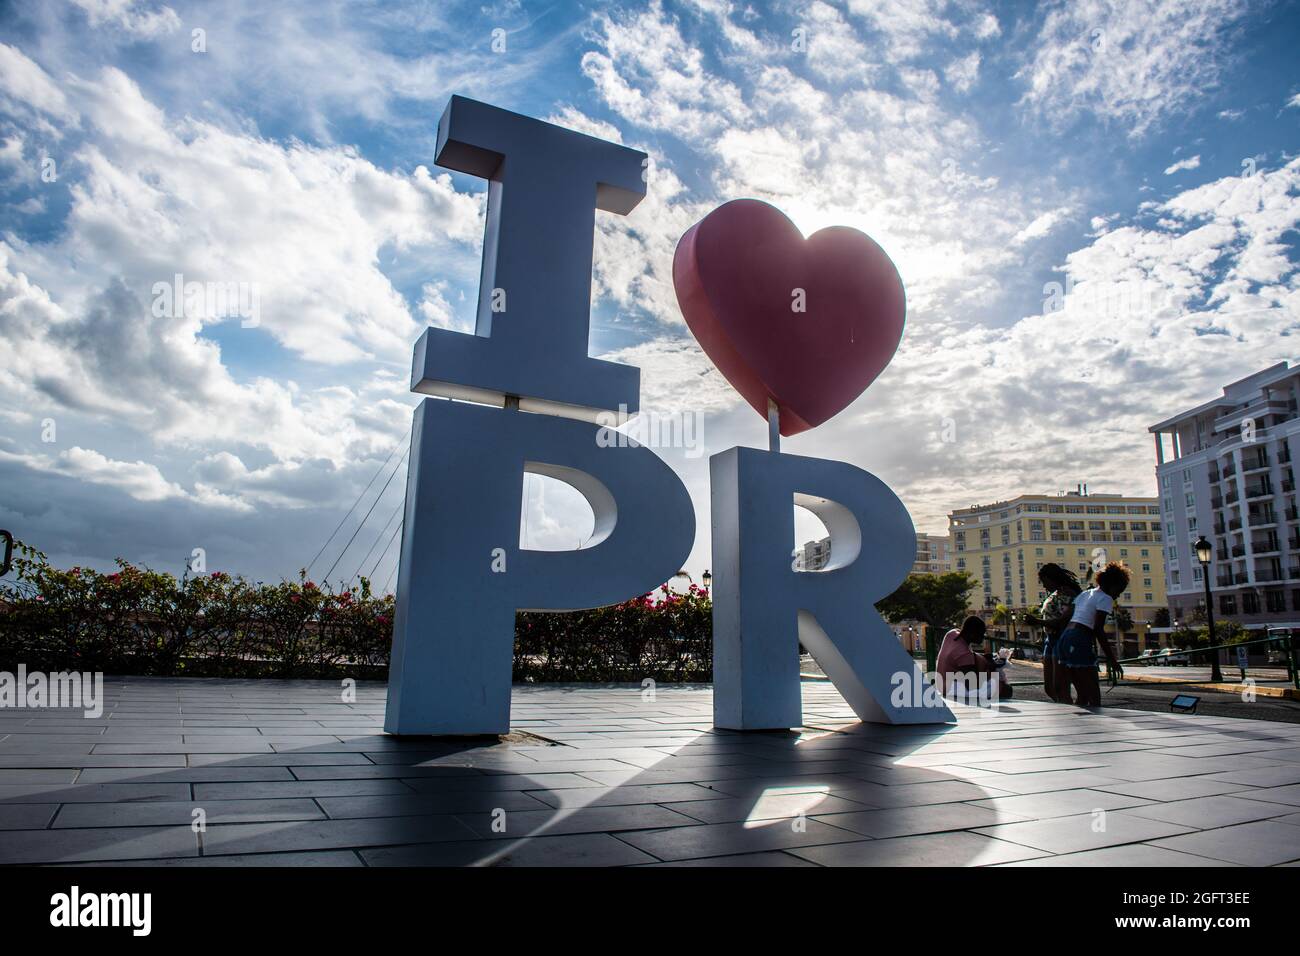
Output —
(1228, 603)
(1249, 603)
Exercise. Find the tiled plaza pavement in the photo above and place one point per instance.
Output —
(290, 774)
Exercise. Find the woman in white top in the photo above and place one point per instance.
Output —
(1074, 652)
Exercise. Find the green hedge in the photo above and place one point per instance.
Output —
(138, 621)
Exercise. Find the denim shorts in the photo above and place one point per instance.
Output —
(1074, 648)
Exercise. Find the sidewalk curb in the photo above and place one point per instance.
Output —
(1287, 693)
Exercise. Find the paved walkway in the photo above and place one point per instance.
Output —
(289, 774)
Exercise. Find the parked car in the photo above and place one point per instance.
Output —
(1147, 657)
(1170, 657)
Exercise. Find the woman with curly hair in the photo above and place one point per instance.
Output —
(1062, 588)
(1074, 651)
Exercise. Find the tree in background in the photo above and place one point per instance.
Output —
(937, 600)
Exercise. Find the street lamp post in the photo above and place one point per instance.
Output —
(706, 579)
(1204, 552)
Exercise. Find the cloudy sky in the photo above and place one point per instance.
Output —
(1093, 206)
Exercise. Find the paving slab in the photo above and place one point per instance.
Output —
(1263, 843)
(933, 849)
(1084, 831)
(1211, 812)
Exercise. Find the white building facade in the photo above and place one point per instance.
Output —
(1224, 470)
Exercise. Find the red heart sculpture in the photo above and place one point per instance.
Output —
(737, 273)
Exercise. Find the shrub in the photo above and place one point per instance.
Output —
(138, 621)
(669, 640)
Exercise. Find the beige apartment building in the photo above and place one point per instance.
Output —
(933, 554)
(1002, 545)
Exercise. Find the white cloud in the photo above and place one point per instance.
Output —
(1191, 162)
(649, 75)
(140, 480)
(1131, 62)
(304, 227)
(962, 73)
(908, 25)
(136, 18)
(28, 92)
(1041, 226)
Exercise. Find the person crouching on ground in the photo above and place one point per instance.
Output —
(961, 673)
(1062, 588)
(1074, 651)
